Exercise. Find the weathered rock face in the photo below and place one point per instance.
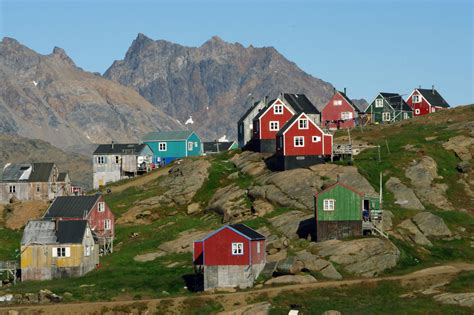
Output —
(211, 82)
(461, 299)
(184, 242)
(422, 173)
(294, 224)
(366, 257)
(404, 196)
(463, 147)
(411, 232)
(251, 163)
(315, 263)
(421, 226)
(230, 202)
(302, 279)
(47, 97)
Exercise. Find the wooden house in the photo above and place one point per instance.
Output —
(94, 209)
(168, 146)
(388, 108)
(32, 181)
(301, 143)
(425, 101)
(113, 162)
(245, 123)
(213, 147)
(232, 256)
(340, 211)
(57, 249)
(339, 112)
(301, 104)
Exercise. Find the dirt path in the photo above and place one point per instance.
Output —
(229, 300)
(141, 180)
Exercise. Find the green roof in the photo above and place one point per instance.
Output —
(167, 135)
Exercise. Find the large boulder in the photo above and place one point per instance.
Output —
(314, 263)
(184, 242)
(251, 163)
(404, 196)
(230, 202)
(299, 279)
(411, 233)
(463, 146)
(461, 299)
(294, 224)
(431, 225)
(366, 257)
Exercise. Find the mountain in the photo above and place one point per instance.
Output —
(212, 82)
(48, 97)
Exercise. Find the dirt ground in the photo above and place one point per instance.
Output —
(22, 212)
(233, 301)
(141, 180)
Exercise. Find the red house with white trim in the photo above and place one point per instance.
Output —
(268, 122)
(94, 209)
(232, 256)
(426, 101)
(301, 143)
(339, 112)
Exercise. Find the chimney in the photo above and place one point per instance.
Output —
(432, 90)
(345, 91)
(334, 90)
(265, 100)
(112, 144)
(419, 86)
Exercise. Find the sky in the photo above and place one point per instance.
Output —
(365, 46)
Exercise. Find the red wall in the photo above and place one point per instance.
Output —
(424, 106)
(96, 219)
(218, 249)
(197, 252)
(258, 257)
(264, 127)
(331, 112)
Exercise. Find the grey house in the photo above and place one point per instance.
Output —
(113, 162)
(33, 181)
(245, 123)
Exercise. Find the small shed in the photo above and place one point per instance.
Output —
(341, 210)
(232, 256)
(213, 147)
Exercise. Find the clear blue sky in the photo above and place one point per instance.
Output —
(366, 46)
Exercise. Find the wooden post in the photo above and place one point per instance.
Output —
(378, 147)
(386, 143)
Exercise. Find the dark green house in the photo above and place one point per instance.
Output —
(388, 108)
(340, 211)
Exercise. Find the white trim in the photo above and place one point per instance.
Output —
(417, 111)
(300, 120)
(165, 145)
(237, 250)
(274, 122)
(279, 112)
(386, 116)
(99, 204)
(295, 138)
(419, 99)
(318, 139)
(381, 102)
(331, 204)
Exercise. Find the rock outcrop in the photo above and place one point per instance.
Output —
(287, 279)
(230, 202)
(404, 196)
(461, 145)
(461, 299)
(421, 226)
(294, 224)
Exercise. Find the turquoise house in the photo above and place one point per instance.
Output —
(171, 145)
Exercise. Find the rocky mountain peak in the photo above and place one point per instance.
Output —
(61, 54)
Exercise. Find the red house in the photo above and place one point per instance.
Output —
(268, 122)
(232, 256)
(425, 101)
(301, 143)
(91, 208)
(339, 112)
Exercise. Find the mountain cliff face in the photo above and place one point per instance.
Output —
(47, 97)
(212, 82)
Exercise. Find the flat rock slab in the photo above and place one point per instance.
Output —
(461, 299)
(409, 230)
(431, 225)
(404, 196)
(300, 279)
(294, 224)
(184, 242)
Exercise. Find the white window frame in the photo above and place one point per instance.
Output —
(107, 224)
(405, 115)
(162, 146)
(337, 102)
(379, 102)
(190, 146)
(12, 189)
(117, 159)
(298, 141)
(101, 206)
(101, 160)
(278, 109)
(386, 116)
(417, 111)
(237, 249)
(303, 123)
(87, 251)
(416, 99)
(329, 204)
(316, 139)
(258, 247)
(274, 125)
(346, 115)
(61, 252)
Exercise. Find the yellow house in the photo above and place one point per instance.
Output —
(57, 249)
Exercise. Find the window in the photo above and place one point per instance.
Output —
(61, 252)
(87, 251)
(303, 124)
(258, 247)
(316, 139)
(405, 115)
(337, 102)
(417, 111)
(12, 189)
(237, 249)
(162, 146)
(101, 206)
(346, 115)
(278, 109)
(117, 160)
(107, 224)
(274, 125)
(299, 141)
(386, 116)
(190, 146)
(433, 109)
(379, 102)
(37, 188)
(328, 204)
(416, 99)
(101, 160)
(195, 144)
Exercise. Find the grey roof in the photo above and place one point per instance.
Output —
(40, 172)
(62, 177)
(300, 103)
(396, 101)
(117, 148)
(71, 231)
(45, 232)
(245, 230)
(433, 97)
(260, 113)
(249, 111)
(167, 135)
(288, 124)
(210, 147)
(13, 172)
(71, 206)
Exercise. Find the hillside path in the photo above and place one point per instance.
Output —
(141, 180)
(438, 273)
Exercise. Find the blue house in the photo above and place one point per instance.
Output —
(171, 145)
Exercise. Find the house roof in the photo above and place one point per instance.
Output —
(433, 97)
(260, 113)
(211, 147)
(396, 101)
(349, 101)
(339, 184)
(62, 177)
(249, 111)
(167, 135)
(71, 231)
(117, 148)
(31, 172)
(245, 230)
(300, 103)
(288, 124)
(71, 206)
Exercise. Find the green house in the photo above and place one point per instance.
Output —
(340, 211)
(388, 108)
(171, 145)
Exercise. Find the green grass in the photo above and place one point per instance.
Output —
(463, 283)
(10, 242)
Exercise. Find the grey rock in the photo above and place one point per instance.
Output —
(431, 225)
(293, 224)
(230, 202)
(300, 279)
(463, 146)
(404, 196)
(464, 167)
(461, 299)
(408, 229)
